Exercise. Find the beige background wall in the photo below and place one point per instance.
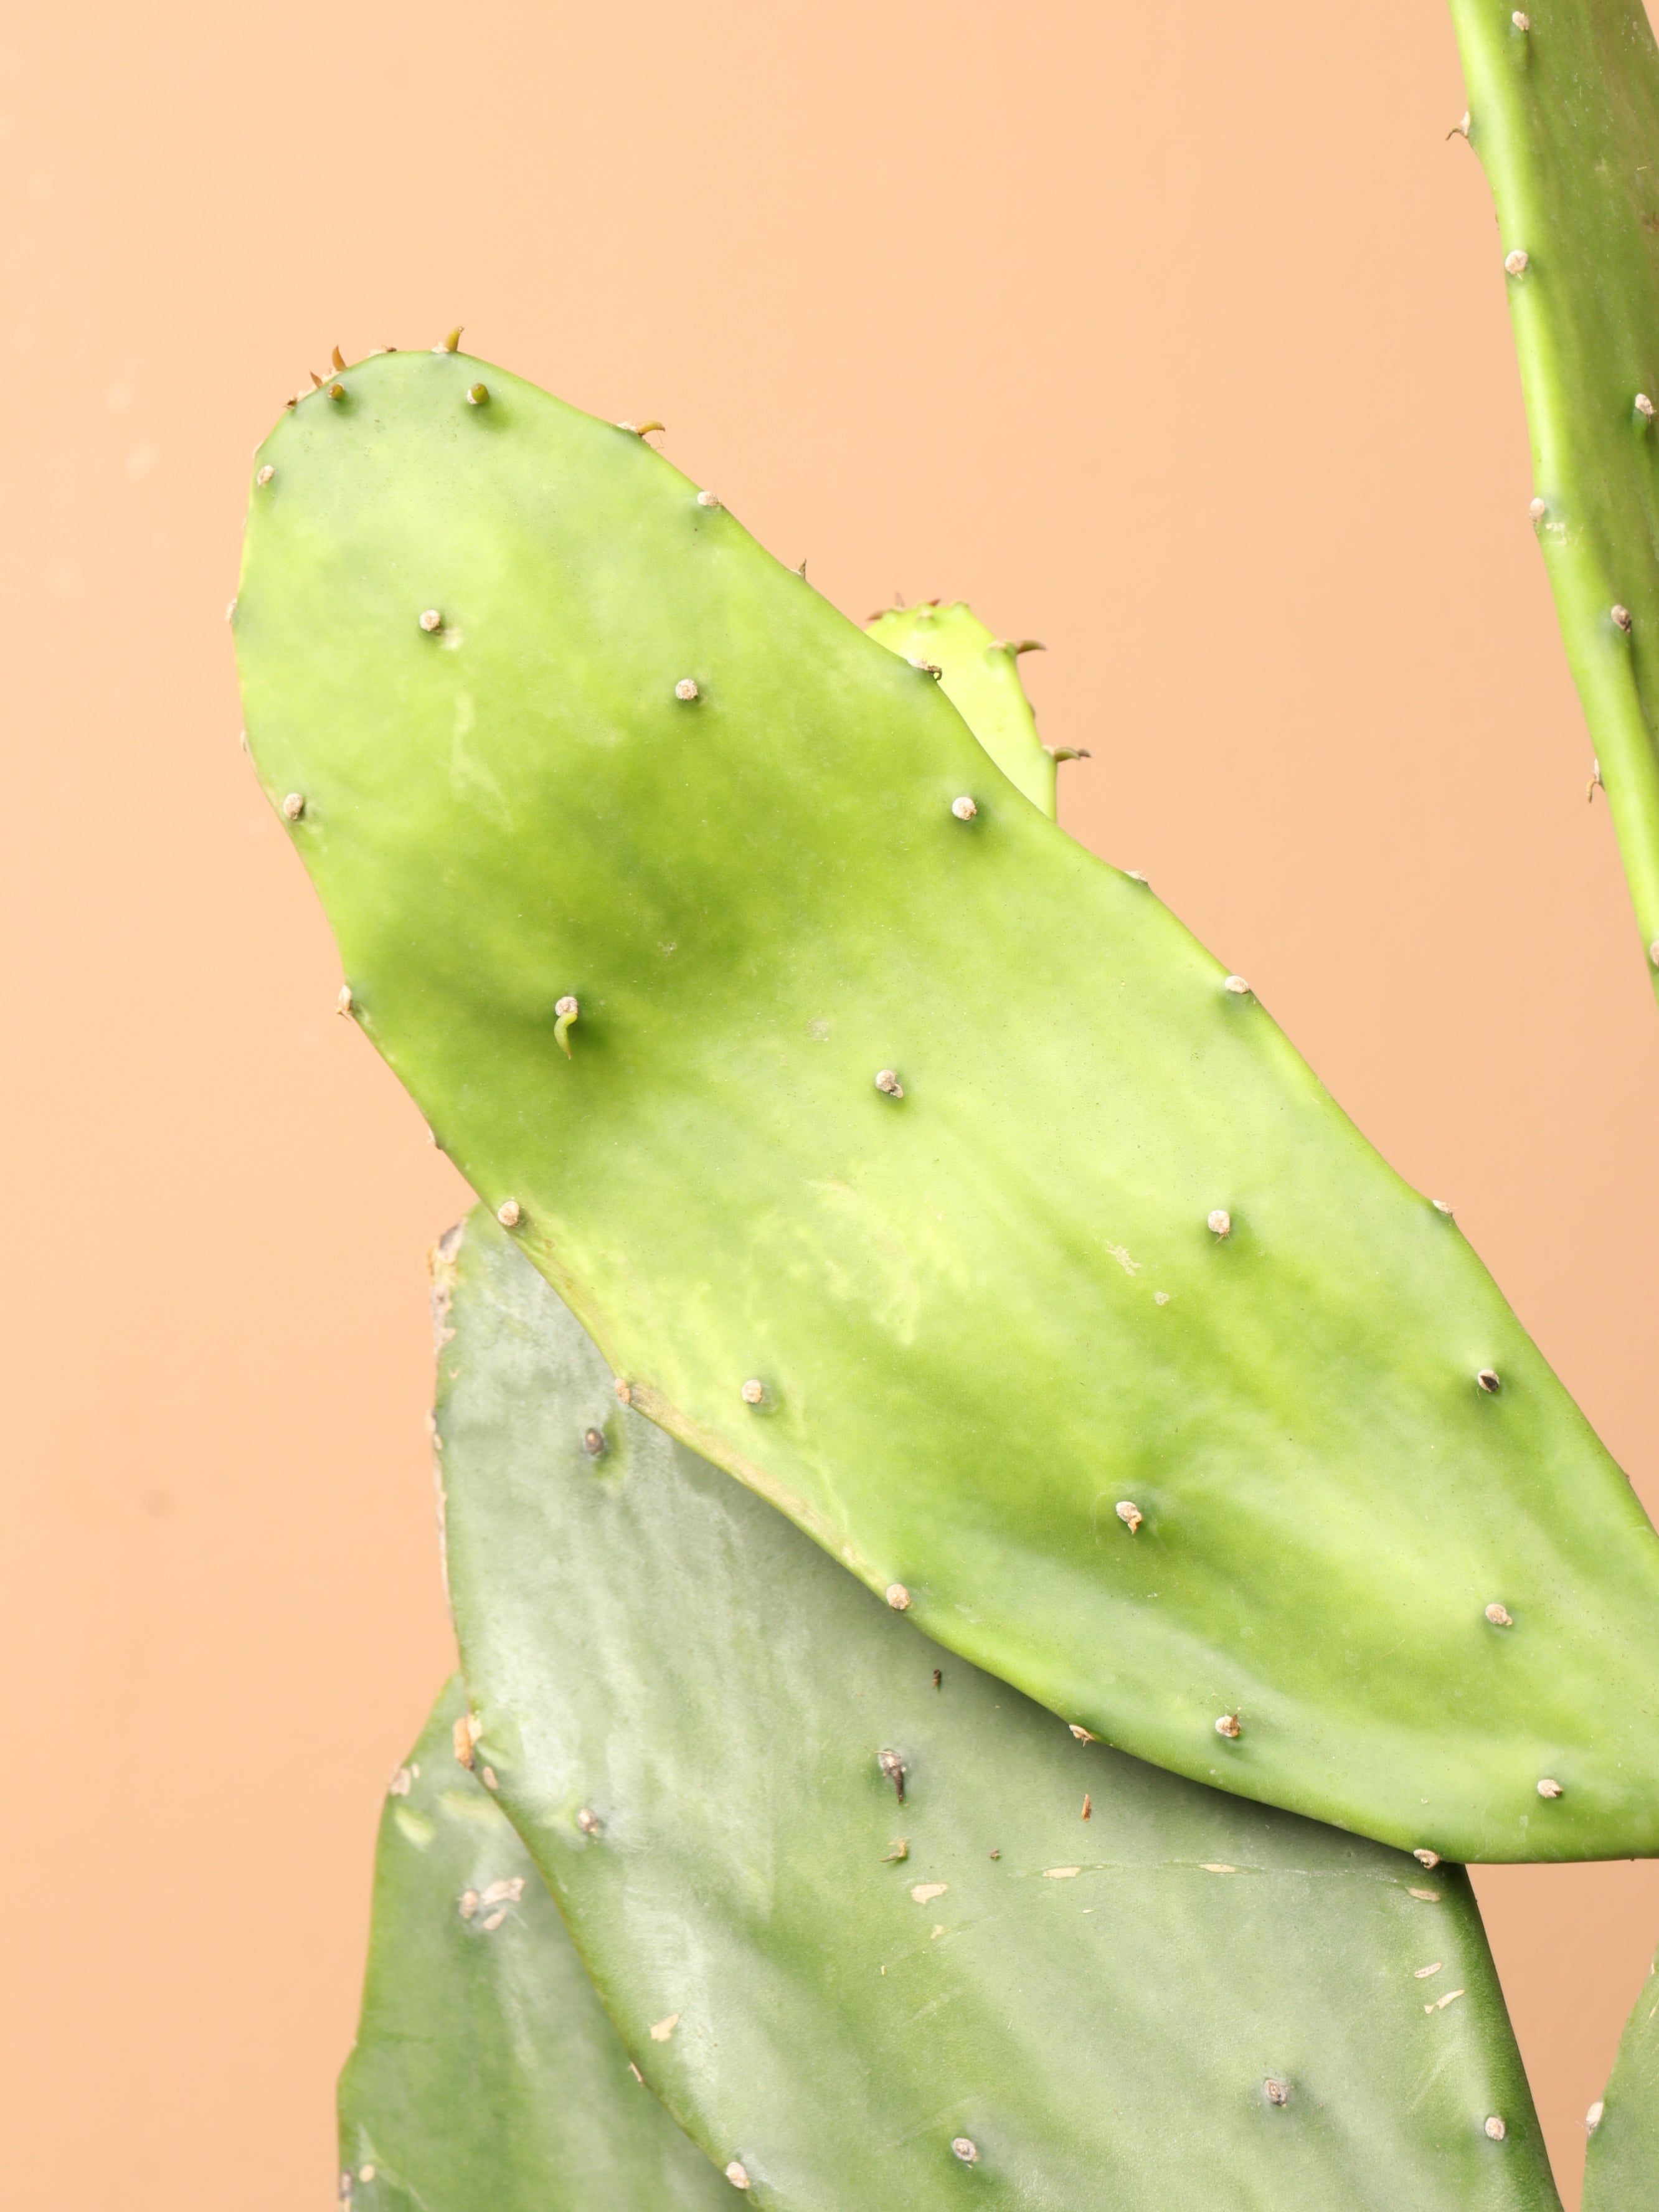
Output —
(1175, 336)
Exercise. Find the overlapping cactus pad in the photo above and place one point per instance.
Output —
(1621, 2166)
(485, 2076)
(908, 1161)
(879, 1931)
(979, 674)
(1563, 111)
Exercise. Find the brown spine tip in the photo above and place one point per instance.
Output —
(1490, 1381)
(594, 1442)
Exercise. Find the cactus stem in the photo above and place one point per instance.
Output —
(1500, 1616)
(1129, 1514)
(887, 1082)
(1496, 2128)
(294, 805)
(1230, 1726)
(897, 1597)
(594, 1442)
(1490, 1381)
(342, 1003)
(1549, 1788)
(893, 1767)
(509, 1213)
(964, 808)
(1276, 2092)
(1237, 986)
(1219, 1222)
(738, 2173)
(431, 620)
(686, 688)
(707, 499)
(965, 2149)
(265, 474)
(753, 1391)
(567, 1010)
(1516, 263)
(588, 1821)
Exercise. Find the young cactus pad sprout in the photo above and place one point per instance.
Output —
(971, 1346)
(1565, 121)
(485, 2076)
(980, 676)
(1621, 2165)
(655, 1641)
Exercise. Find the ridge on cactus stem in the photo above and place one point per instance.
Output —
(1621, 2165)
(984, 1303)
(1565, 124)
(485, 2076)
(851, 2016)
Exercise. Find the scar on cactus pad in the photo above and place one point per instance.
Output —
(969, 1345)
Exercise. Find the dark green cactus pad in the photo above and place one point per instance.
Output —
(846, 1908)
(1563, 111)
(1096, 1333)
(1621, 2166)
(485, 2076)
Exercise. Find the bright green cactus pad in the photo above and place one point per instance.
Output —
(1563, 111)
(979, 674)
(685, 1706)
(1621, 2166)
(485, 2076)
(965, 1334)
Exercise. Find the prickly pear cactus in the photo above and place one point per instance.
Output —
(651, 880)
(1621, 2165)
(485, 2076)
(1564, 113)
(979, 674)
(867, 1918)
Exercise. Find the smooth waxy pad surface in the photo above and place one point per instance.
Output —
(1563, 111)
(1621, 2165)
(560, 735)
(701, 1727)
(485, 2076)
(979, 674)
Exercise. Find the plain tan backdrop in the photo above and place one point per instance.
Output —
(1175, 336)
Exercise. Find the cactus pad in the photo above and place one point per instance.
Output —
(1621, 2165)
(1563, 111)
(485, 2076)
(922, 1171)
(979, 674)
(865, 1916)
